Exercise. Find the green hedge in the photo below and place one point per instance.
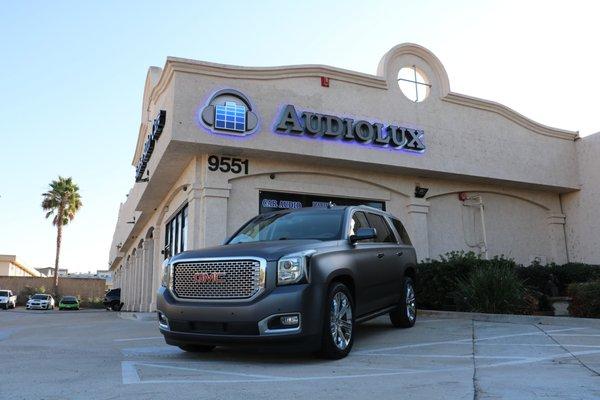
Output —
(586, 299)
(438, 280)
(441, 282)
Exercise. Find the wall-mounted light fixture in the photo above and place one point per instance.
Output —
(420, 192)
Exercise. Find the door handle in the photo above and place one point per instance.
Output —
(380, 255)
(399, 253)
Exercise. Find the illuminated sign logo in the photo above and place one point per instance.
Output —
(229, 111)
(347, 129)
(157, 127)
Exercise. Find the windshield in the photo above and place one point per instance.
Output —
(40, 297)
(3, 293)
(317, 224)
(68, 299)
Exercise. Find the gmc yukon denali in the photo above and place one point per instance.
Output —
(304, 277)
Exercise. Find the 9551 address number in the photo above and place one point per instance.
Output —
(228, 164)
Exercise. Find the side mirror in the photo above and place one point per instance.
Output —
(363, 234)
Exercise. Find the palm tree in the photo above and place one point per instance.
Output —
(62, 201)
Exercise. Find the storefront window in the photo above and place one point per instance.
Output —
(176, 233)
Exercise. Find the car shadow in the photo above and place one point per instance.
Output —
(286, 354)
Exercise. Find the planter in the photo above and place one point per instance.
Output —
(560, 305)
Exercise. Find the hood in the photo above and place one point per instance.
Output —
(269, 250)
(3, 299)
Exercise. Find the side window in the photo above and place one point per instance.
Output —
(401, 231)
(359, 220)
(384, 233)
(176, 233)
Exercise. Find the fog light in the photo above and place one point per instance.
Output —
(163, 322)
(289, 320)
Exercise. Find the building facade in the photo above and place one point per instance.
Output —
(219, 144)
(10, 266)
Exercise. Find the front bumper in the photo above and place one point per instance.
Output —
(38, 306)
(237, 322)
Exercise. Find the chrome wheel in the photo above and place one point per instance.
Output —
(341, 320)
(411, 304)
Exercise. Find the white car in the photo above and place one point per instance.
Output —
(40, 301)
(7, 299)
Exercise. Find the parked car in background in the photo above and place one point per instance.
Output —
(302, 276)
(112, 300)
(68, 303)
(7, 299)
(40, 301)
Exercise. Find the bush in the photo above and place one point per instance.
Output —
(586, 299)
(91, 302)
(553, 280)
(437, 279)
(493, 289)
(28, 291)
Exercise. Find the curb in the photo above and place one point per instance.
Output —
(137, 316)
(514, 319)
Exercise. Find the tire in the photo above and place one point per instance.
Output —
(197, 348)
(115, 306)
(338, 323)
(405, 315)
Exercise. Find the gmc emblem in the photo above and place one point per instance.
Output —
(209, 277)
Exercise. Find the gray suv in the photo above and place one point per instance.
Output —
(304, 276)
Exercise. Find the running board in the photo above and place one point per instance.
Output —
(375, 314)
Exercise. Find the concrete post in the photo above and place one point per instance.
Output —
(417, 216)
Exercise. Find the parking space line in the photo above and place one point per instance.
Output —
(463, 341)
(129, 374)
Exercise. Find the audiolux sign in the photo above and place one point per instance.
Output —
(230, 112)
(364, 132)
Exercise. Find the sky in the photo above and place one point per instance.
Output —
(72, 76)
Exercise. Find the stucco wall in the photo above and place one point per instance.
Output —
(583, 208)
(82, 287)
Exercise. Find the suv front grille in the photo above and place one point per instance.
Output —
(218, 279)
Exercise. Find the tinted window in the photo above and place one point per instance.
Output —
(3, 293)
(384, 234)
(318, 224)
(359, 220)
(401, 231)
(40, 297)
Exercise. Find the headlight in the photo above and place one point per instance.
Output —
(292, 268)
(166, 276)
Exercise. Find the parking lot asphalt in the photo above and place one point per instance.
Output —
(94, 354)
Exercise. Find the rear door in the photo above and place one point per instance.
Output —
(390, 269)
(365, 257)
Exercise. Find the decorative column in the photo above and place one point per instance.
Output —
(417, 218)
(138, 278)
(126, 282)
(213, 216)
(157, 259)
(148, 273)
(558, 241)
(142, 278)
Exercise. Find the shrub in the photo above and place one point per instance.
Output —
(554, 280)
(28, 291)
(91, 302)
(493, 289)
(586, 299)
(437, 279)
